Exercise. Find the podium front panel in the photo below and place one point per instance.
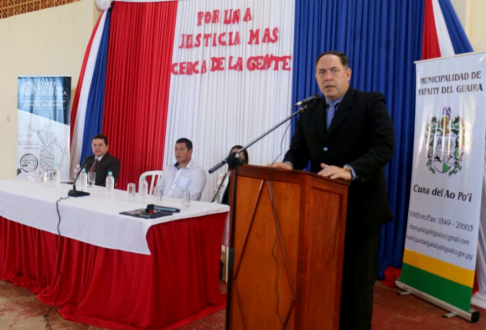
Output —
(288, 247)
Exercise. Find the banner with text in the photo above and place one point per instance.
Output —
(231, 78)
(43, 124)
(445, 199)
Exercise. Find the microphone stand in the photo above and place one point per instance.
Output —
(227, 159)
(74, 192)
(232, 160)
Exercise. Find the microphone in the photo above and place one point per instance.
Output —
(74, 192)
(308, 100)
(231, 160)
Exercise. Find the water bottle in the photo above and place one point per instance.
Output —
(57, 176)
(83, 181)
(30, 170)
(110, 184)
(143, 189)
(76, 171)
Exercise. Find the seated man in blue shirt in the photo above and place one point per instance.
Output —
(185, 174)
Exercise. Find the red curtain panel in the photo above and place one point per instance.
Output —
(137, 85)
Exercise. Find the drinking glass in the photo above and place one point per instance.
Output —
(158, 193)
(42, 176)
(186, 199)
(131, 191)
(91, 179)
(50, 178)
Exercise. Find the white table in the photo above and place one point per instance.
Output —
(118, 272)
(93, 219)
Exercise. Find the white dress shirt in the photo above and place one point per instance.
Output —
(175, 180)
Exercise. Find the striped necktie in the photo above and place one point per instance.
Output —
(330, 113)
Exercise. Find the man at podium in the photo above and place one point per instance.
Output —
(348, 135)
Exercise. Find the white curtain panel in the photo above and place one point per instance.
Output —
(217, 110)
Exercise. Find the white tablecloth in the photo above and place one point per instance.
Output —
(94, 219)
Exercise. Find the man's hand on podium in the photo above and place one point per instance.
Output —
(285, 166)
(334, 172)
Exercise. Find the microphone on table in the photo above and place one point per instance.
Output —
(74, 192)
(308, 100)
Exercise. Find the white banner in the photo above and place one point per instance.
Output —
(231, 79)
(445, 200)
(43, 124)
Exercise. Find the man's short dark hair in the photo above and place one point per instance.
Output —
(186, 141)
(100, 137)
(344, 59)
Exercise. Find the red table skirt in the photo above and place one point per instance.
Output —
(176, 284)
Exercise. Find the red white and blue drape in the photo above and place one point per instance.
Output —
(143, 82)
(218, 79)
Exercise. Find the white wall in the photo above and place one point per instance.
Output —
(471, 13)
(51, 41)
(477, 25)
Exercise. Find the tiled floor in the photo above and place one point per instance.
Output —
(394, 312)
(391, 312)
(20, 310)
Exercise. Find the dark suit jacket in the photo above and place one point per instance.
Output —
(107, 163)
(361, 135)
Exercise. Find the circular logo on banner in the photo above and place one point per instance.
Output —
(25, 160)
(27, 88)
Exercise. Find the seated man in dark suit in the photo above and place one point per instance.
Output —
(102, 161)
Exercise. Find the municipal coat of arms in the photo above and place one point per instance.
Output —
(445, 143)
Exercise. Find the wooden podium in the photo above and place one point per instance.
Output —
(287, 254)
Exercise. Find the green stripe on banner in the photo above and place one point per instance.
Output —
(453, 293)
